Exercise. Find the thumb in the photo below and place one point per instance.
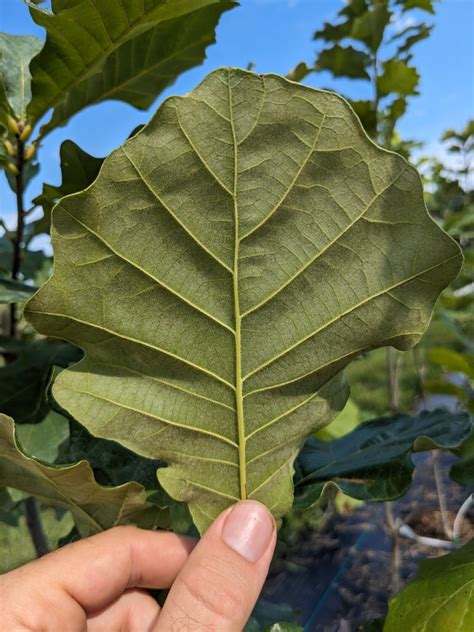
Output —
(218, 586)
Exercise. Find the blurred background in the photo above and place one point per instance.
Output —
(413, 88)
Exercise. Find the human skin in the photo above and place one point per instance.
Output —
(99, 584)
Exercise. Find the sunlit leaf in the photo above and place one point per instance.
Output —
(398, 78)
(373, 462)
(227, 263)
(440, 598)
(347, 420)
(117, 49)
(452, 360)
(16, 52)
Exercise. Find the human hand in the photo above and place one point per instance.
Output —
(97, 584)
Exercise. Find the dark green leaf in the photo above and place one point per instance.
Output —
(373, 462)
(424, 5)
(423, 31)
(114, 49)
(370, 26)
(365, 110)
(396, 110)
(334, 32)
(439, 599)
(14, 291)
(355, 8)
(463, 471)
(398, 78)
(32, 260)
(78, 169)
(112, 463)
(23, 382)
(344, 61)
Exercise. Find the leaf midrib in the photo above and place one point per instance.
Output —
(239, 400)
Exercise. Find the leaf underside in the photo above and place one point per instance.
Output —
(227, 263)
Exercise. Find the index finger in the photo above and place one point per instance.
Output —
(96, 570)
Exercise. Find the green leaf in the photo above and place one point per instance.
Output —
(424, 5)
(443, 387)
(373, 462)
(14, 291)
(23, 382)
(117, 49)
(452, 360)
(73, 487)
(370, 26)
(423, 31)
(440, 598)
(233, 281)
(29, 172)
(334, 32)
(300, 72)
(284, 626)
(16, 52)
(16, 547)
(463, 471)
(398, 78)
(78, 170)
(32, 260)
(42, 440)
(354, 8)
(111, 462)
(344, 61)
(347, 420)
(367, 114)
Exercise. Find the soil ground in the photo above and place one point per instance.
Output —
(341, 576)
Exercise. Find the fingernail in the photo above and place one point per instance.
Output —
(248, 529)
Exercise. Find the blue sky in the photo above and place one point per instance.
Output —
(276, 35)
